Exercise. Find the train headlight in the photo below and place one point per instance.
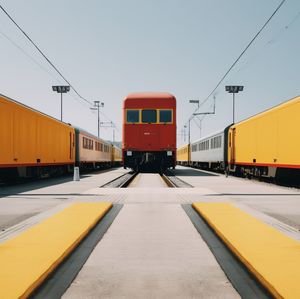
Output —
(169, 153)
(129, 153)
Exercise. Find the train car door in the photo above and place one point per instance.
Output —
(71, 141)
(232, 147)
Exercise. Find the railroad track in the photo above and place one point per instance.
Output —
(173, 181)
(122, 181)
(168, 177)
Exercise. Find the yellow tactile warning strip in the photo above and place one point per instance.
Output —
(270, 255)
(26, 260)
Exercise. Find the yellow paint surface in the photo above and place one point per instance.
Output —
(270, 137)
(270, 255)
(183, 153)
(30, 257)
(27, 136)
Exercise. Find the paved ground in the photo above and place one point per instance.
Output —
(36, 200)
(152, 250)
(276, 205)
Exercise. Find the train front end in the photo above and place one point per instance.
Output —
(149, 132)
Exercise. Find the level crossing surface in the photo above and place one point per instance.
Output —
(152, 248)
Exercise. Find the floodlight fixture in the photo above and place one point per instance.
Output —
(194, 101)
(61, 89)
(233, 89)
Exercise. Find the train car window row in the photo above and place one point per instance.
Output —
(87, 143)
(216, 142)
(202, 146)
(149, 116)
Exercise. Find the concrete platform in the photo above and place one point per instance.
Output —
(29, 258)
(271, 256)
(24, 205)
(152, 250)
(275, 205)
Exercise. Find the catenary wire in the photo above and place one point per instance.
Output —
(48, 60)
(41, 52)
(239, 57)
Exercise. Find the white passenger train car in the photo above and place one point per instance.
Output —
(208, 152)
(92, 152)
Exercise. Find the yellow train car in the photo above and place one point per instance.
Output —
(116, 155)
(268, 143)
(32, 143)
(183, 155)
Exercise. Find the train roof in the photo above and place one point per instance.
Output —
(150, 95)
(34, 110)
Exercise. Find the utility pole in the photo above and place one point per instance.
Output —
(97, 105)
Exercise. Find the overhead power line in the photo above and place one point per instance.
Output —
(241, 55)
(47, 59)
(41, 52)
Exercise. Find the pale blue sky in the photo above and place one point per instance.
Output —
(108, 49)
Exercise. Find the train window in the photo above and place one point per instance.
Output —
(133, 116)
(97, 146)
(84, 142)
(165, 116)
(149, 116)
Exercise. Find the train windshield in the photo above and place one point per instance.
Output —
(149, 116)
(133, 116)
(165, 116)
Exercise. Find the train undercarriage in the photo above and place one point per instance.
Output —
(155, 161)
(279, 175)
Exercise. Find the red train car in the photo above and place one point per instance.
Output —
(149, 131)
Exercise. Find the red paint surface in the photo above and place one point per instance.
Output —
(149, 137)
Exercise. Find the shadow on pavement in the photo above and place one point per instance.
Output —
(29, 185)
(191, 172)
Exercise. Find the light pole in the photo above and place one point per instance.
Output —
(233, 89)
(97, 105)
(189, 136)
(61, 89)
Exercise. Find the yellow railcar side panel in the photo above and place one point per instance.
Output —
(6, 132)
(183, 153)
(289, 135)
(29, 137)
(24, 136)
(272, 137)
